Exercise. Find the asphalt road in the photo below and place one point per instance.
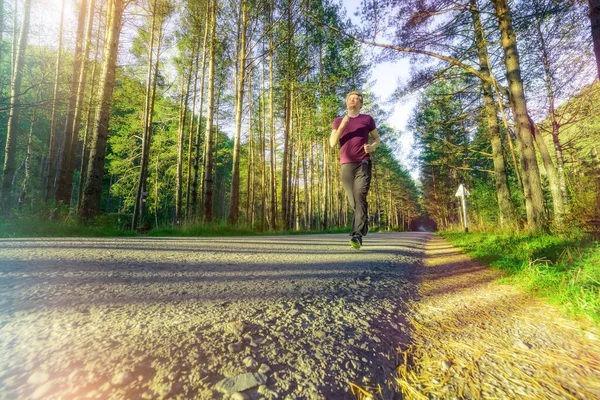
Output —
(283, 316)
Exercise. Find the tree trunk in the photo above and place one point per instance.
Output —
(188, 189)
(555, 125)
(234, 205)
(534, 200)
(307, 186)
(326, 184)
(140, 199)
(52, 140)
(595, 23)
(15, 39)
(90, 113)
(23, 197)
(263, 150)
(64, 184)
(200, 108)
(8, 171)
(207, 190)
(502, 188)
(92, 193)
(272, 146)
(185, 93)
(553, 181)
(250, 169)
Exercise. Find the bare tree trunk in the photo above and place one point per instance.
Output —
(140, 199)
(375, 193)
(23, 197)
(198, 131)
(534, 199)
(15, 39)
(207, 189)
(502, 189)
(64, 184)
(307, 185)
(185, 93)
(249, 170)
(326, 185)
(8, 171)
(263, 149)
(272, 146)
(553, 181)
(188, 200)
(90, 113)
(52, 140)
(552, 113)
(92, 193)
(234, 205)
(313, 209)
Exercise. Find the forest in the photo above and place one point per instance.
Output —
(150, 113)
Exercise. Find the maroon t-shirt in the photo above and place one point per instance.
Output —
(354, 136)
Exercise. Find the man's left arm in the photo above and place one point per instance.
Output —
(369, 148)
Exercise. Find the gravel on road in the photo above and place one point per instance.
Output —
(244, 317)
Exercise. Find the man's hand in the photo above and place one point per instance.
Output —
(334, 138)
(345, 121)
(368, 148)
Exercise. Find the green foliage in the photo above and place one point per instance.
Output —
(564, 268)
(35, 223)
(440, 136)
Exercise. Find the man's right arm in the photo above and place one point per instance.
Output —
(334, 138)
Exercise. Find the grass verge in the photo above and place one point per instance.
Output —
(30, 227)
(563, 268)
(40, 226)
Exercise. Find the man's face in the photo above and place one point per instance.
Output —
(354, 102)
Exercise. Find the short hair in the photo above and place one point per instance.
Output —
(356, 92)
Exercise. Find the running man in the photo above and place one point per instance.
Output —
(352, 132)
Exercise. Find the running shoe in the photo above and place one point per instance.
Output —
(355, 242)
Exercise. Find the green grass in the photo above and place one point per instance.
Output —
(66, 226)
(30, 227)
(563, 268)
(222, 229)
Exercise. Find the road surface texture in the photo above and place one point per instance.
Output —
(281, 317)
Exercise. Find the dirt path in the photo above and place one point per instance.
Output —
(475, 338)
(293, 317)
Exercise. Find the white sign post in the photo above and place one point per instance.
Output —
(463, 193)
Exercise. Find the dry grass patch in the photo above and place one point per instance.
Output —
(475, 338)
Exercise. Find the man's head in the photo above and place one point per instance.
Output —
(354, 100)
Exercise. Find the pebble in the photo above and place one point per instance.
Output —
(250, 362)
(522, 345)
(293, 312)
(236, 327)
(264, 368)
(239, 396)
(234, 347)
(240, 383)
(319, 335)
